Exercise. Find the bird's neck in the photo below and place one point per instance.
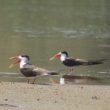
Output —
(63, 58)
(22, 63)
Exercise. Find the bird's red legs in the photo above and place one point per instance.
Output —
(28, 81)
(70, 69)
(33, 82)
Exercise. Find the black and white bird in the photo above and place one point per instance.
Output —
(29, 70)
(70, 62)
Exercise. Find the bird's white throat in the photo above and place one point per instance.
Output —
(63, 57)
(23, 62)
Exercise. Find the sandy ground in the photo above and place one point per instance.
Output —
(23, 96)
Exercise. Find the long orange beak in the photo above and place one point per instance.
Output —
(16, 61)
(58, 55)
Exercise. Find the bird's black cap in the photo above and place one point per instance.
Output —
(26, 56)
(64, 52)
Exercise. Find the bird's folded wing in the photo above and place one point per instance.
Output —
(29, 66)
(40, 70)
(81, 60)
(77, 60)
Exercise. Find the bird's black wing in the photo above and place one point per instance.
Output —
(74, 62)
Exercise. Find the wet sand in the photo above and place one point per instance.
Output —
(23, 96)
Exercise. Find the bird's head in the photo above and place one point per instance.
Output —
(60, 55)
(24, 59)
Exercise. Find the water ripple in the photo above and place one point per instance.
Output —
(65, 32)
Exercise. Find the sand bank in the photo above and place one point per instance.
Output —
(23, 96)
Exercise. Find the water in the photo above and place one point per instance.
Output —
(43, 28)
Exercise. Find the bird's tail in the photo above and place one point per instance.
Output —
(95, 62)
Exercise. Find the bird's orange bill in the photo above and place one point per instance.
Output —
(16, 61)
(55, 56)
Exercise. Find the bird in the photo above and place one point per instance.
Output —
(71, 62)
(30, 70)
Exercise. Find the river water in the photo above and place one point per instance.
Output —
(43, 28)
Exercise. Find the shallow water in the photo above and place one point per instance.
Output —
(43, 28)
